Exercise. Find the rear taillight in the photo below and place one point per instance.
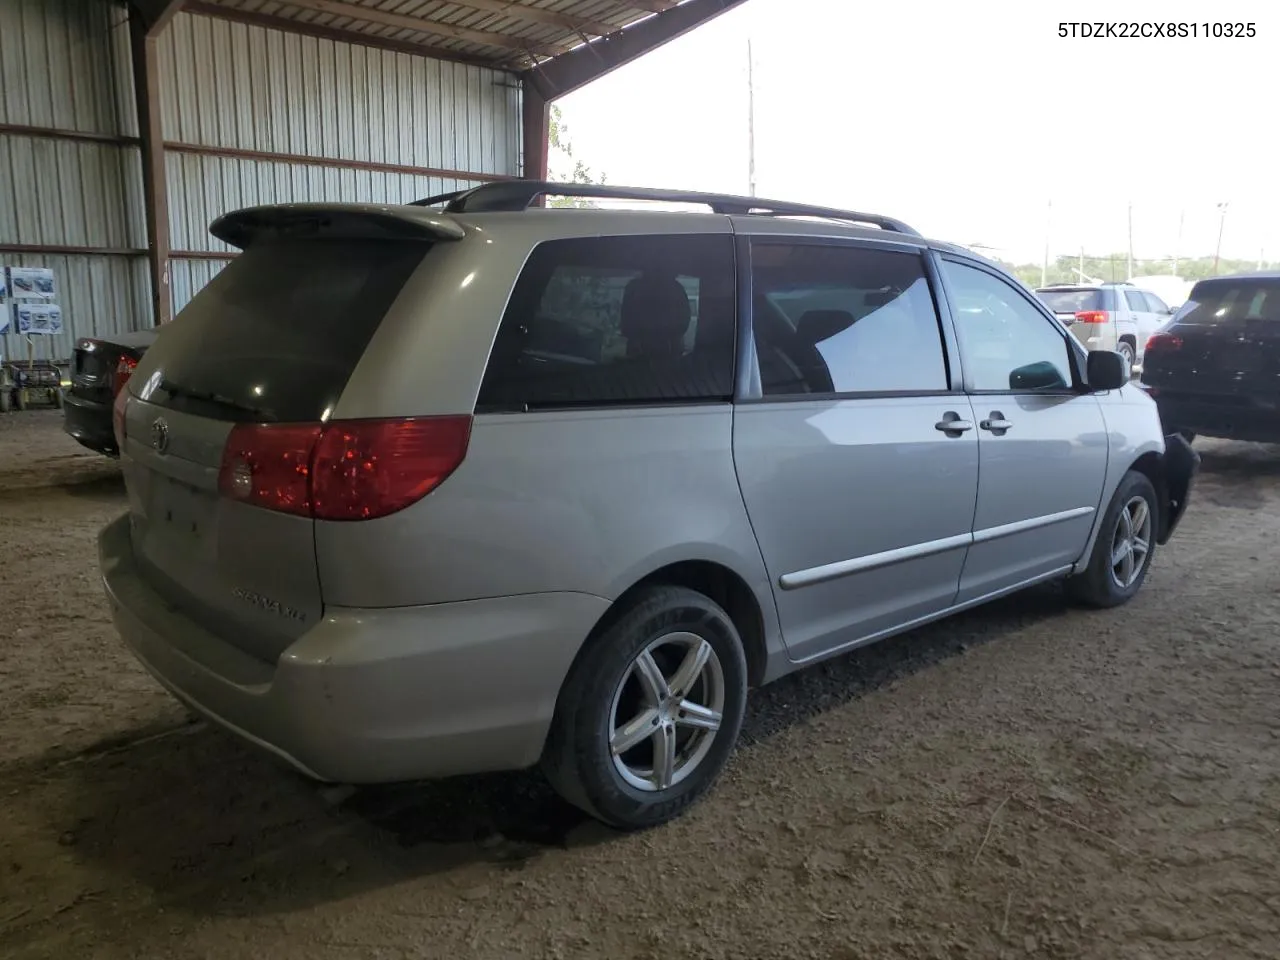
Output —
(342, 470)
(124, 370)
(117, 418)
(1164, 341)
(1093, 316)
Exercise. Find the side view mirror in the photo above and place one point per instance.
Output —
(1036, 376)
(1106, 370)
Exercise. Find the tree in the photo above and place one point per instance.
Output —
(562, 156)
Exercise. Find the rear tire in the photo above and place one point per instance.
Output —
(20, 399)
(1125, 546)
(6, 400)
(631, 742)
(1125, 349)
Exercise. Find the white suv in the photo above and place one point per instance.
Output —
(1108, 316)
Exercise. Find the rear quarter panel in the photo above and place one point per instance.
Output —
(586, 502)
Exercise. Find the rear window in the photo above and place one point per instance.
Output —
(1224, 301)
(1072, 301)
(275, 336)
(605, 321)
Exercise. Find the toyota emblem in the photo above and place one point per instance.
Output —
(160, 436)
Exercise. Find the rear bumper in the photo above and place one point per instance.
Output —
(369, 696)
(1094, 336)
(89, 422)
(1228, 421)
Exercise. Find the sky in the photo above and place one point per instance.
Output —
(973, 121)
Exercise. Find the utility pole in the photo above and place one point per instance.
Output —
(751, 122)
(1130, 267)
(1044, 267)
(1222, 222)
(1081, 270)
(1261, 251)
(1177, 247)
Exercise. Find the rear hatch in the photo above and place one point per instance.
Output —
(1078, 308)
(1066, 302)
(272, 341)
(1223, 343)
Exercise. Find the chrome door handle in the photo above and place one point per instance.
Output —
(952, 425)
(996, 423)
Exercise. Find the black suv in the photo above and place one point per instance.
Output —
(1214, 369)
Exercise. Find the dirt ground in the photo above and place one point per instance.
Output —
(1026, 780)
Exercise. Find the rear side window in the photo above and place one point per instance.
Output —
(605, 321)
(1155, 304)
(1072, 301)
(275, 336)
(831, 319)
(1135, 300)
(1225, 301)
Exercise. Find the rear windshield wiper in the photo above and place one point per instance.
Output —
(208, 396)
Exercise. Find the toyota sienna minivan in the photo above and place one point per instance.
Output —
(474, 484)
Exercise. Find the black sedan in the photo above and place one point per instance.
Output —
(100, 367)
(1214, 369)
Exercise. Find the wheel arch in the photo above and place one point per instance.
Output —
(751, 615)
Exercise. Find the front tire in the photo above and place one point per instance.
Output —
(1124, 548)
(651, 710)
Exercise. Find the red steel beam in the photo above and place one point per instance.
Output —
(335, 162)
(146, 86)
(569, 71)
(81, 136)
(535, 124)
(156, 14)
(64, 250)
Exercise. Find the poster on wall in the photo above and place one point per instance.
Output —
(38, 319)
(31, 283)
(5, 324)
(4, 288)
(23, 319)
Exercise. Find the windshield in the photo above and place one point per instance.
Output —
(1072, 301)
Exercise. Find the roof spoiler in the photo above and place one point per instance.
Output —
(363, 221)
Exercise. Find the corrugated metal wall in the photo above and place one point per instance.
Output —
(65, 67)
(249, 115)
(249, 90)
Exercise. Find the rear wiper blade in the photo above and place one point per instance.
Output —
(207, 396)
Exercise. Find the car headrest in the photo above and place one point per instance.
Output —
(654, 309)
(816, 326)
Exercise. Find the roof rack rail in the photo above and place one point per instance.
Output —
(509, 196)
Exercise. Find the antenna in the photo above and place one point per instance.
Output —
(751, 122)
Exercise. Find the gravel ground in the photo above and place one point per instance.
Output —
(1025, 780)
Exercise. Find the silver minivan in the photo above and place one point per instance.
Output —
(474, 484)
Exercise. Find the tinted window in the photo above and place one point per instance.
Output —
(276, 334)
(1136, 300)
(1155, 304)
(1072, 301)
(1007, 343)
(1225, 301)
(617, 320)
(833, 319)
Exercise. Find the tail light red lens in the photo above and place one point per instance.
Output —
(1093, 316)
(342, 470)
(1164, 341)
(124, 370)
